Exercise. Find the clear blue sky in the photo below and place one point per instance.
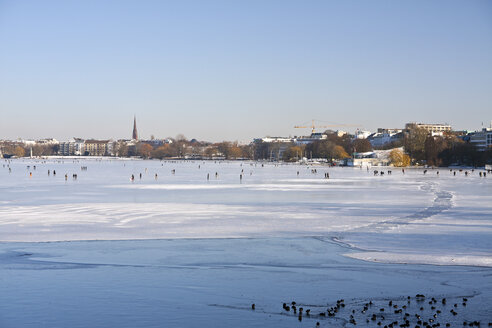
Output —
(234, 70)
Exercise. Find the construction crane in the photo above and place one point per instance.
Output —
(314, 126)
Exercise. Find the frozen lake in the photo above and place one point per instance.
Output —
(183, 250)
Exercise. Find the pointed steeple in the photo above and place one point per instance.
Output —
(135, 134)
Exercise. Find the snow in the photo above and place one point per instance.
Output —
(184, 251)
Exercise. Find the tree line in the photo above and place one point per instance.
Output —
(188, 149)
(334, 147)
(419, 148)
(445, 150)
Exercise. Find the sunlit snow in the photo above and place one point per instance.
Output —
(183, 250)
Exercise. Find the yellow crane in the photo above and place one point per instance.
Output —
(313, 126)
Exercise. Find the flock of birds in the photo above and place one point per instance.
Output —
(417, 312)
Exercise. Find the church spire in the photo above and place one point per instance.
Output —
(135, 134)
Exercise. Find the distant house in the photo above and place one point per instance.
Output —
(153, 142)
(369, 159)
(385, 136)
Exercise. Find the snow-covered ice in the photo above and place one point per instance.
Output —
(178, 250)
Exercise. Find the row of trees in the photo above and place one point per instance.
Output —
(419, 148)
(442, 150)
(180, 147)
(19, 150)
(332, 148)
(184, 148)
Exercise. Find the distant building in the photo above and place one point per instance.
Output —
(153, 142)
(304, 140)
(135, 133)
(272, 148)
(98, 148)
(64, 149)
(482, 139)
(433, 129)
(47, 141)
(74, 147)
(360, 134)
(369, 159)
(273, 139)
(315, 136)
(157, 142)
(390, 131)
(27, 142)
(385, 136)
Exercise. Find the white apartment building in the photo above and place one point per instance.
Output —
(482, 139)
(274, 139)
(433, 129)
(74, 147)
(47, 141)
(360, 134)
(384, 136)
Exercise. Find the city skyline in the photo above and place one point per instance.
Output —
(220, 71)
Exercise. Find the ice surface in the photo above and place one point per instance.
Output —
(412, 217)
(269, 201)
(184, 251)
